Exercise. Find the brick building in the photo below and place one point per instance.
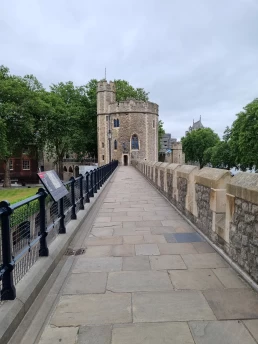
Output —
(126, 130)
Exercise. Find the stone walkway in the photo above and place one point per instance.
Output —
(148, 278)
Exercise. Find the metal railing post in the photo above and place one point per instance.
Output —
(81, 193)
(91, 184)
(87, 187)
(62, 229)
(43, 249)
(73, 213)
(8, 291)
(99, 176)
(95, 180)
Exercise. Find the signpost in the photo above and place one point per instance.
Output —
(53, 184)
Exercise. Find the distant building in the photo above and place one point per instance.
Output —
(171, 150)
(195, 126)
(166, 142)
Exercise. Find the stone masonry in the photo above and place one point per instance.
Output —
(244, 236)
(135, 118)
(182, 191)
(204, 217)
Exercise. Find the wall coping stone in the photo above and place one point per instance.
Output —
(244, 185)
(164, 165)
(184, 171)
(172, 167)
(215, 178)
(157, 164)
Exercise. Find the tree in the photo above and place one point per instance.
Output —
(125, 91)
(220, 156)
(243, 136)
(161, 132)
(16, 116)
(196, 143)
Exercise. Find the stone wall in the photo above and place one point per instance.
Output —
(203, 219)
(225, 209)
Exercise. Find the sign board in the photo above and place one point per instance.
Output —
(53, 184)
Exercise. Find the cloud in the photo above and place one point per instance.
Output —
(194, 57)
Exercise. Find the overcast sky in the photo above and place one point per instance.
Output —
(195, 57)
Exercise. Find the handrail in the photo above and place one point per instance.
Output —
(25, 229)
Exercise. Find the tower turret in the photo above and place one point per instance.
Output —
(106, 94)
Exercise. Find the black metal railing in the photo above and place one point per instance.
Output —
(28, 227)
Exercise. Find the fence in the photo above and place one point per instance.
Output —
(28, 227)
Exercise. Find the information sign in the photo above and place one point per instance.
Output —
(53, 184)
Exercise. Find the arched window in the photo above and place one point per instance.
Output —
(70, 169)
(135, 143)
(115, 144)
(65, 169)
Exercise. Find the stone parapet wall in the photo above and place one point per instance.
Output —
(134, 106)
(224, 208)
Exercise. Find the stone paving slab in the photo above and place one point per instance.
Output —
(102, 232)
(102, 241)
(233, 303)
(187, 237)
(170, 306)
(154, 239)
(107, 264)
(252, 326)
(229, 278)
(125, 250)
(198, 279)
(98, 251)
(147, 223)
(56, 335)
(177, 333)
(204, 261)
(220, 332)
(176, 248)
(162, 230)
(138, 263)
(203, 247)
(133, 239)
(86, 283)
(147, 250)
(92, 309)
(167, 262)
(95, 334)
(132, 281)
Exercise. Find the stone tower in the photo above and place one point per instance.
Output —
(126, 130)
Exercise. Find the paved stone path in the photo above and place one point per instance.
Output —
(148, 278)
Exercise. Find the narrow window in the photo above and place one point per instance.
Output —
(115, 123)
(153, 123)
(25, 164)
(103, 145)
(103, 157)
(115, 145)
(11, 164)
(135, 143)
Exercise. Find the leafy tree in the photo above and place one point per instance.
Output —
(220, 156)
(16, 115)
(196, 143)
(243, 136)
(161, 132)
(124, 91)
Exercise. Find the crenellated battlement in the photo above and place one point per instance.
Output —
(132, 105)
(105, 86)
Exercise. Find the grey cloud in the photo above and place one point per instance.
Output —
(194, 57)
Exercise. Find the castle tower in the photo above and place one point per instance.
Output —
(105, 96)
(126, 130)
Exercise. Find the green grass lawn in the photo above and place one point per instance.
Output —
(15, 195)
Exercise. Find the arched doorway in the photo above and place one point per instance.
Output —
(125, 160)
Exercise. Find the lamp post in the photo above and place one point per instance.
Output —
(109, 141)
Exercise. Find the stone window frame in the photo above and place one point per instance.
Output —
(103, 145)
(138, 143)
(103, 157)
(115, 144)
